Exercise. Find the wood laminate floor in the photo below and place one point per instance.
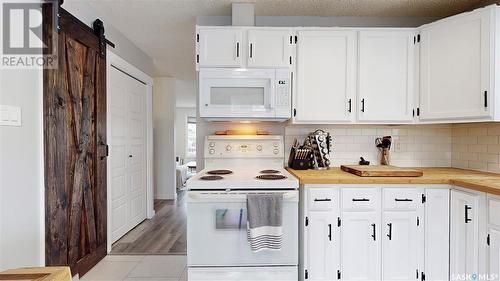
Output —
(164, 234)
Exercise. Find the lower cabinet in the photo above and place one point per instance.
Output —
(467, 240)
(493, 238)
(323, 244)
(400, 245)
(374, 233)
(360, 248)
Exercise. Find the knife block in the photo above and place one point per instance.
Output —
(298, 164)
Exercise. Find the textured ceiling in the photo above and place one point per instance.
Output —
(164, 29)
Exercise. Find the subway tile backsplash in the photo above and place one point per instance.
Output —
(413, 145)
(476, 146)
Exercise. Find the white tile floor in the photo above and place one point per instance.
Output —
(135, 268)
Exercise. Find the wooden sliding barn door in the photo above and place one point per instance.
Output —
(75, 148)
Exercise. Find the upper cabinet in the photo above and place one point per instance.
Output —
(456, 64)
(269, 48)
(386, 75)
(243, 47)
(220, 47)
(325, 76)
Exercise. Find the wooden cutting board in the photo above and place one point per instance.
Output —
(381, 171)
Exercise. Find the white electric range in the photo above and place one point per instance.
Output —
(217, 243)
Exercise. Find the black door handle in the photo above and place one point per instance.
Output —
(403, 200)
(322, 200)
(390, 231)
(350, 105)
(363, 105)
(467, 208)
(330, 232)
(237, 49)
(360, 199)
(374, 232)
(130, 155)
(251, 50)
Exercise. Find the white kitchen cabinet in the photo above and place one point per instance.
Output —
(361, 249)
(386, 73)
(402, 233)
(466, 244)
(321, 234)
(400, 244)
(494, 253)
(322, 243)
(493, 238)
(220, 47)
(325, 76)
(456, 63)
(269, 48)
(437, 233)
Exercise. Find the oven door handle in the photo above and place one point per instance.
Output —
(194, 196)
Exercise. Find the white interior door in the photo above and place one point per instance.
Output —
(127, 119)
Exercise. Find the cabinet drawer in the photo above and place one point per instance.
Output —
(401, 198)
(494, 212)
(322, 199)
(360, 199)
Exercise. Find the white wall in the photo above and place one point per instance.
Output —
(181, 115)
(125, 48)
(164, 137)
(21, 172)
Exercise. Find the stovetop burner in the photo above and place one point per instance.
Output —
(211, 178)
(269, 172)
(270, 177)
(219, 172)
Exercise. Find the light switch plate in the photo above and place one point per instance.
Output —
(10, 116)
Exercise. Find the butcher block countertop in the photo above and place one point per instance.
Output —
(480, 181)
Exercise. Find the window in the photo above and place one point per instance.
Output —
(191, 137)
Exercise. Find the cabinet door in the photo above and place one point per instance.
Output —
(455, 67)
(322, 260)
(269, 48)
(437, 234)
(220, 47)
(494, 254)
(361, 253)
(386, 73)
(400, 245)
(464, 240)
(326, 76)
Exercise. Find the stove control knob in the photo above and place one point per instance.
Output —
(276, 151)
(211, 144)
(211, 151)
(275, 144)
(259, 147)
(228, 147)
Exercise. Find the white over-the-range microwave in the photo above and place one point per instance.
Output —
(244, 94)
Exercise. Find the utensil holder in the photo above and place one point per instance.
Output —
(384, 157)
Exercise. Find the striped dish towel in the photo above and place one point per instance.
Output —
(264, 221)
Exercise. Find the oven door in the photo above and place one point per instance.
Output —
(236, 93)
(217, 235)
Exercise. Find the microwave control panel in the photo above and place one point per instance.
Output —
(282, 87)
